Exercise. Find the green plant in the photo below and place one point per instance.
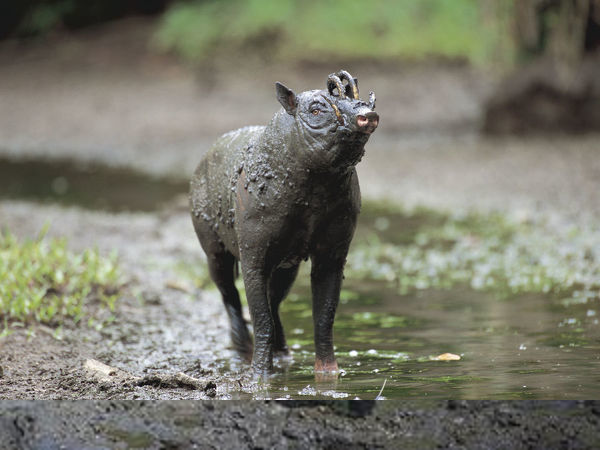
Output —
(486, 251)
(44, 17)
(319, 30)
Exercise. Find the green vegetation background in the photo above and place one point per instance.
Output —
(196, 30)
(318, 30)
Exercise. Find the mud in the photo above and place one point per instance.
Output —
(183, 425)
(165, 324)
(159, 327)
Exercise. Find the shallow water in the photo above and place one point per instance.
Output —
(88, 186)
(530, 347)
(526, 346)
(533, 346)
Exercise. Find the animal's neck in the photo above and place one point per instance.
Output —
(288, 150)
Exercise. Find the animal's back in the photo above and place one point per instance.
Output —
(213, 183)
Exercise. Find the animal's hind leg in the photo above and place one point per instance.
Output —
(279, 287)
(221, 266)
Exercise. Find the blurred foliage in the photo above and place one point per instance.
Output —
(44, 17)
(477, 31)
(382, 29)
(41, 281)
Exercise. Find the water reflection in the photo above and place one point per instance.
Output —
(516, 348)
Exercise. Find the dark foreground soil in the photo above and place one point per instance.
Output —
(260, 425)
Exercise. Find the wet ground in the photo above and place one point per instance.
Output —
(410, 424)
(146, 124)
(530, 346)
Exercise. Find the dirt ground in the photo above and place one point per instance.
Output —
(259, 425)
(102, 96)
(161, 326)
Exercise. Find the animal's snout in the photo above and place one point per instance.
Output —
(368, 122)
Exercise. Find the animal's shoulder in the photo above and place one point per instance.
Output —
(239, 136)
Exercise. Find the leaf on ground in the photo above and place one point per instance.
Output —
(448, 357)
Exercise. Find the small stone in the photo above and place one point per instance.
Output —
(151, 297)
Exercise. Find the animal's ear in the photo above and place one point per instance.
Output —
(287, 98)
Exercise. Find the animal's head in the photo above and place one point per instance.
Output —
(334, 124)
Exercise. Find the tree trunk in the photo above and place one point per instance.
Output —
(558, 87)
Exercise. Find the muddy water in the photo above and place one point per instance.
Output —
(89, 186)
(532, 346)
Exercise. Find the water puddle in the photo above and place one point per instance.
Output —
(530, 347)
(516, 346)
(88, 186)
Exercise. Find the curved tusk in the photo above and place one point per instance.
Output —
(333, 81)
(336, 110)
(346, 76)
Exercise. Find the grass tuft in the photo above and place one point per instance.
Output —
(41, 281)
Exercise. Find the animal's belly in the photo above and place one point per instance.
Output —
(296, 251)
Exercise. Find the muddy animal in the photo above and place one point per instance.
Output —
(272, 196)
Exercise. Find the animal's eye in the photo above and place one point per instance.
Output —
(315, 112)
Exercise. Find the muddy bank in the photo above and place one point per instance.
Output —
(545, 98)
(163, 323)
(558, 176)
(426, 425)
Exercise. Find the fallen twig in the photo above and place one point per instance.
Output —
(178, 380)
(379, 397)
(105, 372)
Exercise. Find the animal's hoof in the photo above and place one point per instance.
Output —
(242, 343)
(262, 374)
(326, 366)
(245, 354)
(282, 353)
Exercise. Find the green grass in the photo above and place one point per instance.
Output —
(352, 29)
(41, 281)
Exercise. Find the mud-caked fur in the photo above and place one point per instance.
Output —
(273, 196)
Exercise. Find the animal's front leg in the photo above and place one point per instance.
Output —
(255, 281)
(326, 282)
